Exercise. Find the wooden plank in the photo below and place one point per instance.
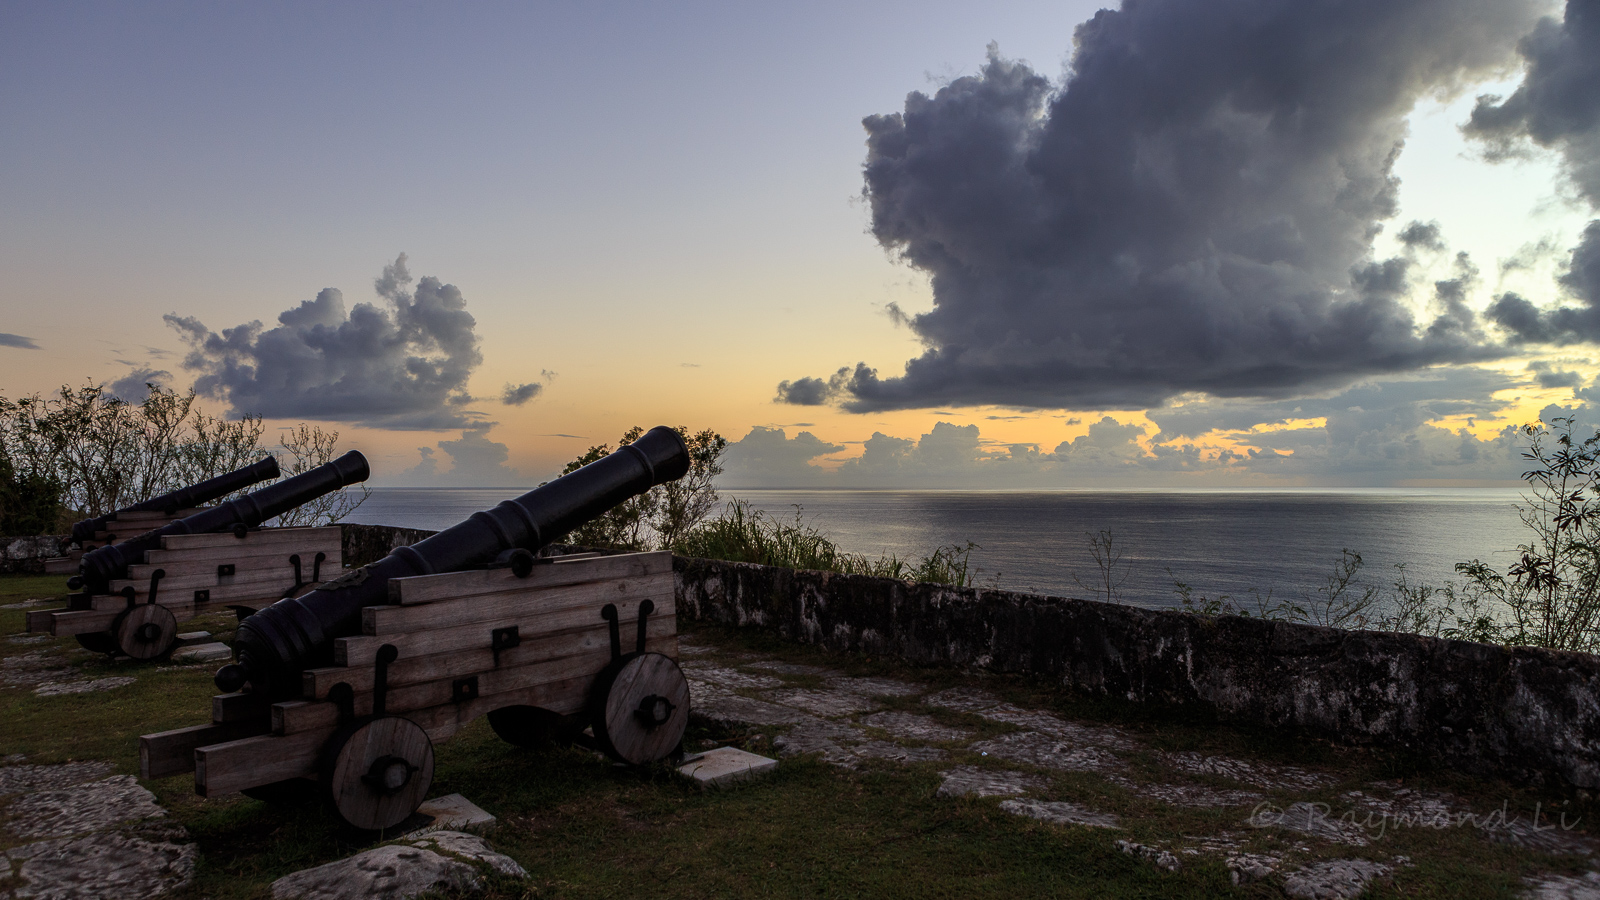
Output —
(535, 648)
(223, 768)
(277, 574)
(420, 589)
(498, 681)
(362, 650)
(39, 619)
(235, 765)
(85, 621)
(61, 565)
(172, 752)
(381, 620)
(561, 695)
(239, 707)
(246, 594)
(194, 562)
(264, 536)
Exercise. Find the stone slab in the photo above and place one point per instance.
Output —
(212, 652)
(724, 766)
(454, 812)
(1060, 812)
(191, 638)
(1340, 879)
(965, 781)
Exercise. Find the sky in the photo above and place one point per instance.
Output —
(1207, 243)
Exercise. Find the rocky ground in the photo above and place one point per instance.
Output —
(1325, 827)
(1307, 831)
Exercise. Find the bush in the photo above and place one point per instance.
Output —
(741, 534)
(661, 516)
(82, 453)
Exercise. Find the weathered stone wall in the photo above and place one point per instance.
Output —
(362, 544)
(1526, 714)
(26, 555)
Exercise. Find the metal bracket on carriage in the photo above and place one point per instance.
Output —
(464, 690)
(504, 639)
(299, 579)
(614, 625)
(343, 696)
(517, 559)
(387, 654)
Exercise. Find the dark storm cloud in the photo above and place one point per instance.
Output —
(1556, 106)
(1425, 235)
(134, 386)
(813, 391)
(518, 394)
(1184, 214)
(1549, 376)
(402, 365)
(18, 341)
(1405, 403)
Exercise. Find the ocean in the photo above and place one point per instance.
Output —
(1219, 542)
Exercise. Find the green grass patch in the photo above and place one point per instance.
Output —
(585, 828)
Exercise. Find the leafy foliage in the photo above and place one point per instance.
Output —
(661, 516)
(81, 453)
(304, 448)
(741, 534)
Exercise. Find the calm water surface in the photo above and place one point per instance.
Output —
(1218, 542)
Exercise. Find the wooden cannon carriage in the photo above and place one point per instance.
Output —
(592, 639)
(191, 575)
(123, 523)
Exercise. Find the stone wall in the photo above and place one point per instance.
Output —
(363, 544)
(1529, 715)
(26, 555)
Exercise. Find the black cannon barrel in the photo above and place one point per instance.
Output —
(276, 644)
(186, 497)
(100, 567)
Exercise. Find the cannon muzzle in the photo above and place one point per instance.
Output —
(276, 644)
(187, 497)
(100, 567)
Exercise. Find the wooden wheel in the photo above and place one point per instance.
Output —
(377, 771)
(145, 631)
(640, 708)
(531, 726)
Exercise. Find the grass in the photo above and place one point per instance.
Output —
(742, 534)
(584, 828)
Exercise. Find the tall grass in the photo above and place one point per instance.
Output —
(742, 534)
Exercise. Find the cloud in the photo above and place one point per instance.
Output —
(518, 394)
(813, 391)
(1183, 214)
(1549, 376)
(1557, 106)
(1423, 235)
(402, 365)
(769, 456)
(475, 461)
(18, 341)
(133, 387)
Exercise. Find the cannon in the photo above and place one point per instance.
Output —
(184, 498)
(134, 593)
(345, 688)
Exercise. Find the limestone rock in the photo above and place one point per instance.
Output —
(454, 812)
(1059, 812)
(1163, 859)
(1563, 887)
(1257, 774)
(123, 866)
(823, 703)
(1244, 868)
(1313, 819)
(57, 688)
(1049, 752)
(1341, 879)
(963, 781)
(910, 726)
(436, 861)
(728, 710)
(81, 808)
(17, 779)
